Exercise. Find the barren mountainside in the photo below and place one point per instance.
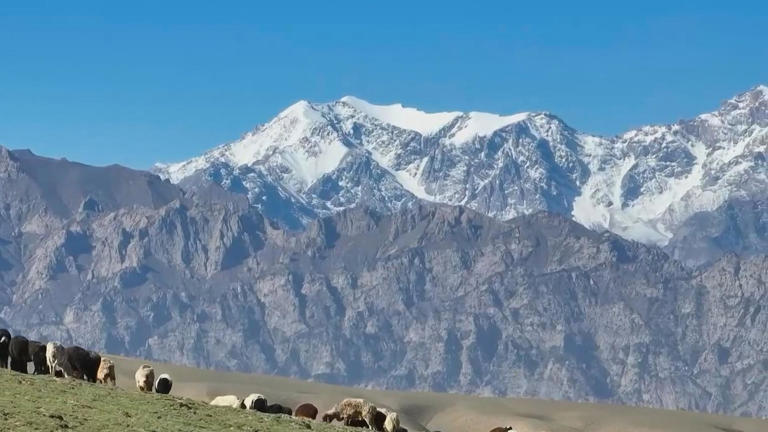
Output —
(423, 296)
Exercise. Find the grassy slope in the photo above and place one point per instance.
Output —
(41, 403)
(44, 404)
(445, 412)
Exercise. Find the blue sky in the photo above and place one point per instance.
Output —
(140, 82)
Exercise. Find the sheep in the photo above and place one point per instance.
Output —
(278, 409)
(83, 364)
(145, 378)
(392, 422)
(228, 401)
(37, 356)
(163, 384)
(355, 422)
(256, 402)
(379, 419)
(306, 410)
(19, 351)
(331, 415)
(56, 358)
(106, 372)
(352, 408)
(5, 342)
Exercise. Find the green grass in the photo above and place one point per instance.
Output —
(43, 403)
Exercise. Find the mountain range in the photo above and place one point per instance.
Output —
(314, 160)
(380, 246)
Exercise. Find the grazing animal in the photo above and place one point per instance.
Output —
(379, 419)
(163, 384)
(56, 358)
(306, 410)
(83, 364)
(37, 356)
(19, 351)
(330, 415)
(355, 422)
(228, 401)
(278, 409)
(256, 402)
(274, 409)
(5, 343)
(392, 422)
(503, 429)
(352, 408)
(145, 378)
(106, 372)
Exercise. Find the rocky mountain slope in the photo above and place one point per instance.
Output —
(425, 296)
(317, 159)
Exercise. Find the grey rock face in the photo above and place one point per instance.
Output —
(737, 226)
(428, 297)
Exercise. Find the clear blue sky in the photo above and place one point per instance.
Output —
(162, 81)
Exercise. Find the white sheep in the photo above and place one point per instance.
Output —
(392, 423)
(228, 401)
(56, 358)
(145, 378)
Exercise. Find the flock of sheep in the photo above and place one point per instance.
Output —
(53, 358)
(352, 412)
(77, 362)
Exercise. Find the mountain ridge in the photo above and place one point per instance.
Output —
(427, 297)
(642, 184)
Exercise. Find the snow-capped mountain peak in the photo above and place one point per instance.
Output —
(301, 111)
(641, 184)
(470, 125)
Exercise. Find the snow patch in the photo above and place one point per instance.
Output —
(403, 117)
(483, 124)
(406, 180)
(308, 167)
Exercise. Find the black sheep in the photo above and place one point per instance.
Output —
(278, 409)
(378, 420)
(37, 355)
(84, 363)
(19, 351)
(163, 384)
(5, 343)
(355, 422)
